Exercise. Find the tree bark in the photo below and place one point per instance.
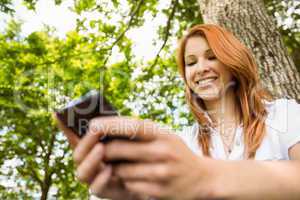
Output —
(248, 20)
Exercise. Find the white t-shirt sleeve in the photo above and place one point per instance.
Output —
(293, 133)
(288, 121)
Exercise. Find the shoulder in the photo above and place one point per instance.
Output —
(282, 104)
(282, 113)
(284, 119)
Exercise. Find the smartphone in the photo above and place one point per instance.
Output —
(78, 113)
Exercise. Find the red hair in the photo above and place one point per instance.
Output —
(248, 92)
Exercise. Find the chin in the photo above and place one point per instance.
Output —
(209, 95)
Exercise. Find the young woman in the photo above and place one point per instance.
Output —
(223, 155)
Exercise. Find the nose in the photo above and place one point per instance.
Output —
(201, 66)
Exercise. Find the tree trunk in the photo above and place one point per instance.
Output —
(45, 191)
(249, 21)
(47, 181)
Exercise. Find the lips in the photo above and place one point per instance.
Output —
(206, 81)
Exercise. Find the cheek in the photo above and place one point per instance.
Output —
(188, 77)
(225, 75)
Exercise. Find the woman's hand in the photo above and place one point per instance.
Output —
(90, 168)
(88, 156)
(162, 167)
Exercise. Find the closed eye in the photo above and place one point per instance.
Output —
(191, 63)
(211, 57)
(190, 60)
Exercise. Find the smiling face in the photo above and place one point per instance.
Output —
(205, 74)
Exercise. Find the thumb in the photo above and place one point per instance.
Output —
(72, 138)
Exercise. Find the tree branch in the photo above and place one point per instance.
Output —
(167, 31)
(133, 13)
(32, 173)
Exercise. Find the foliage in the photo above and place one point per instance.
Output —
(30, 142)
(6, 6)
(285, 11)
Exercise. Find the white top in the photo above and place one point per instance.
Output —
(283, 131)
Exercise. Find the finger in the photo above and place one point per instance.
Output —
(124, 126)
(85, 145)
(136, 151)
(101, 180)
(90, 166)
(146, 188)
(152, 172)
(72, 138)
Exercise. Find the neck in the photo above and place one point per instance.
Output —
(224, 110)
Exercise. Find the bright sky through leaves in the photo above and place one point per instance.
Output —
(63, 19)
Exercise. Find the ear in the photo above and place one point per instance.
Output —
(72, 138)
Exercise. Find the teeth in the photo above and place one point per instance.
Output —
(205, 81)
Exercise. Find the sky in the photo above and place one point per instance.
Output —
(63, 19)
(46, 12)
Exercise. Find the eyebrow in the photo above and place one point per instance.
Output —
(207, 51)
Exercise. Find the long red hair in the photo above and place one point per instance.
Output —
(248, 91)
